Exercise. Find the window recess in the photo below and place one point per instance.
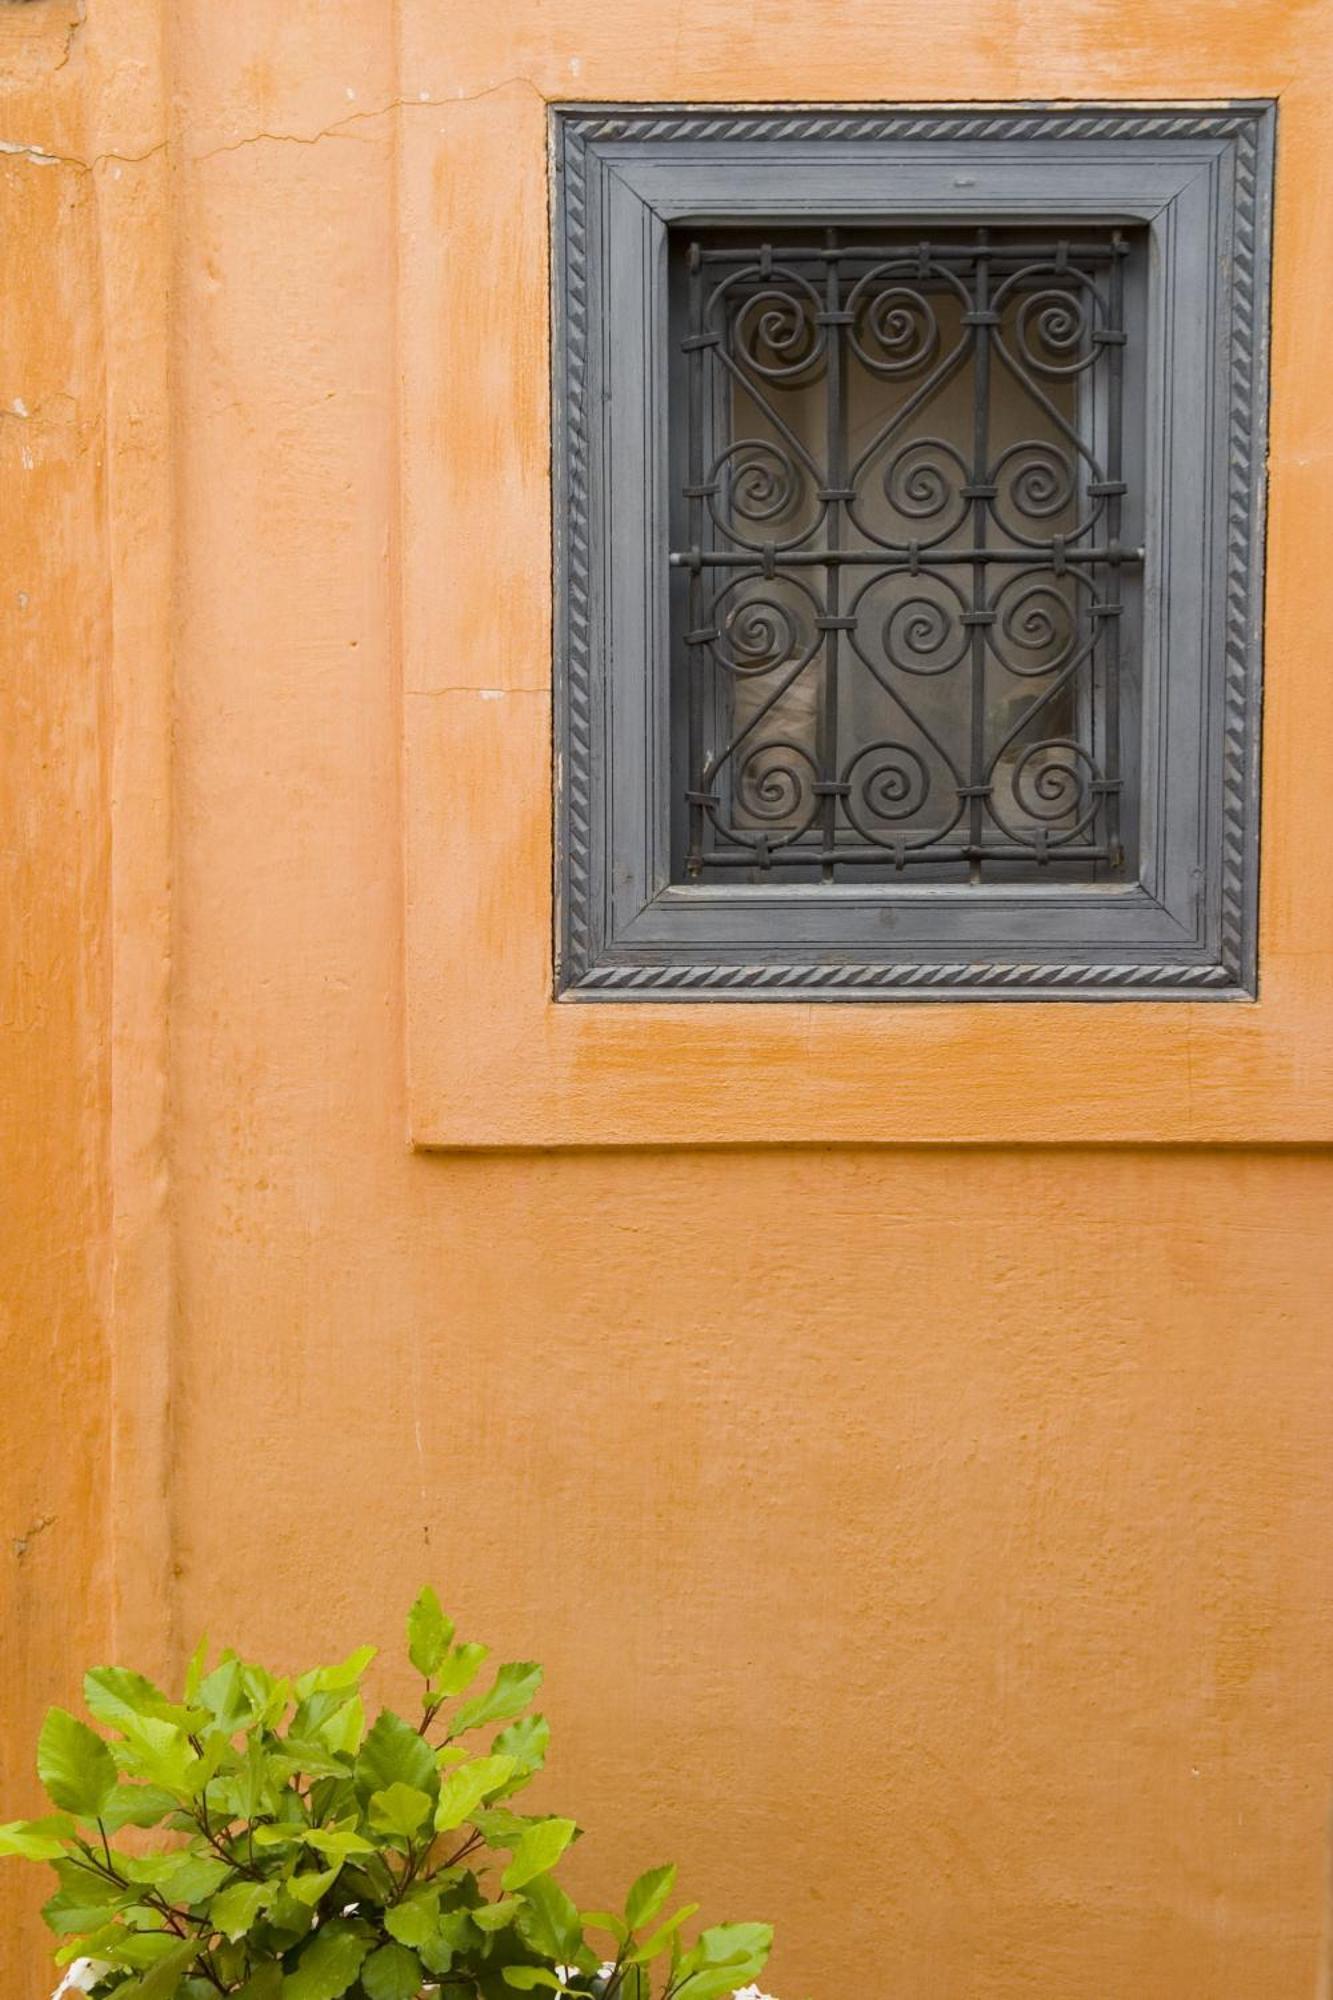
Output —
(908, 528)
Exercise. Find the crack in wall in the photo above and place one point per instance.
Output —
(80, 16)
(16, 150)
(335, 130)
(22, 1543)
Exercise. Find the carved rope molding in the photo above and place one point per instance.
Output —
(1243, 602)
(768, 979)
(573, 132)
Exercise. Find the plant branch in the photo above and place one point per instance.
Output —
(224, 1852)
(470, 1845)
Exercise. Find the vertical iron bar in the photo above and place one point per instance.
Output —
(696, 654)
(826, 750)
(1110, 589)
(980, 470)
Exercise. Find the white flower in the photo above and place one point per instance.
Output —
(81, 1977)
(605, 1970)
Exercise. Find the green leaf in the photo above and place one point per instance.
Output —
(712, 1981)
(308, 1888)
(343, 1731)
(464, 1789)
(460, 1669)
(223, 1694)
(151, 1868)
(315, 1710)
(606, 1920)
(663, 1936)
(217, 1754)
(392, 1973)
(194, 1877)
(265, 1984)
(526, 1978)
(252, 1791)
(113, 1693)
(400, 1810)
(137, 1805)
(726, 1942)
(647, 1895)
(414, 1920)
(349, 1671)
(77, 1908)
(231, 1962)
(76, 1873)
(334, 1843)
(92, 1942)
(330, 1680)
(526, 1741)
(136, 1947)
(36, 1839)
(162, 1980)
(298, 1759)
(492, 1917)
(194, 1673)
(509, 1694)
(551, 1921)
(456, 1934)
(723, 1958)
(499, 1826)
(539, 1849)
(293, 1919)
(158, 1751)
(328, 1965)
(429, 1634)
(74, 1764)
(394, 1754)
(266, 1695)
(715, 1981)
(233, 1911)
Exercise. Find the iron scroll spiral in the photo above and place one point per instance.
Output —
(1036, 630)
(776, 332)
(759, 632)
(887, 782)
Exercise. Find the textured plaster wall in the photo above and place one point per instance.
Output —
(54, 1076)
(929, 1546)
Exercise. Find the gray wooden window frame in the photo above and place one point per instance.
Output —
(1199, 179)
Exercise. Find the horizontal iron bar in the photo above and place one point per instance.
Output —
(889, 253)
(884, 857)
(890, 559)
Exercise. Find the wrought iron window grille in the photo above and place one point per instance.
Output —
(933, 553)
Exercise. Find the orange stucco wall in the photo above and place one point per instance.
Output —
(929, 1543)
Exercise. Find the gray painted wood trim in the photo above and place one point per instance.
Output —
(1203, 174)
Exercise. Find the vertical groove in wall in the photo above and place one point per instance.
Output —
(394, 549)
(137, 233)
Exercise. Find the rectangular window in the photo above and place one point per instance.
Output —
(908, 516)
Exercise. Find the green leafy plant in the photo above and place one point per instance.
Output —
(309, 1856)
